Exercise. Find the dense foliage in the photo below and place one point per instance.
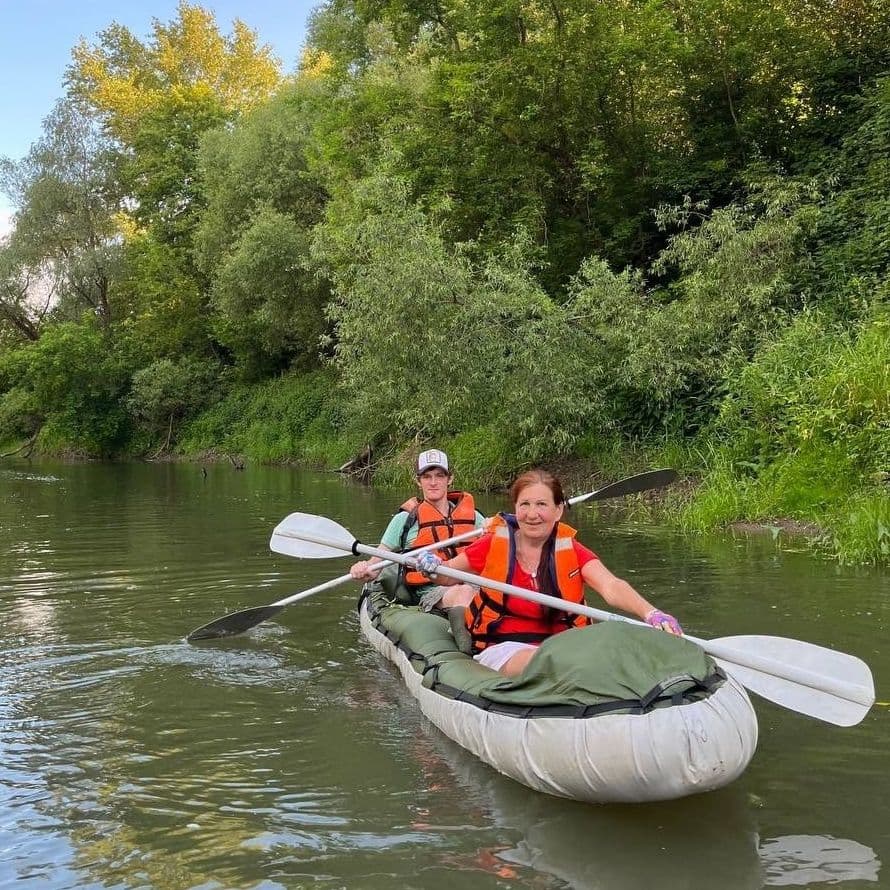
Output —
(524, 230)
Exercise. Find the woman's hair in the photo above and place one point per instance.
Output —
(537, 477)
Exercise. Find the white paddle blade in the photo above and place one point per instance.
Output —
(819, 682)
(306, 536)
(803, 699)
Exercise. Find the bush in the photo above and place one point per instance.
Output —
(296, 417)
(805, 433)
(167, 392)
(813, 387)
(75, 380)
(859, 529)
(19, 417)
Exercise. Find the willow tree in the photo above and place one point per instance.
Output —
(65, 241)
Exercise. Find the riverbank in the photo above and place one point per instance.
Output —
(277, 424)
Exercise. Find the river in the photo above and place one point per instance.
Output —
(292, 756)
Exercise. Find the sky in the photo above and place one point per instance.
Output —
(37, 36)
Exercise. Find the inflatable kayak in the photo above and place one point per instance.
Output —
(611, 712)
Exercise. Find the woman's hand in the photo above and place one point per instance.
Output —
(664, 621)
(427, 563)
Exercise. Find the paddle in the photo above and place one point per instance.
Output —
(237, 622)
(633, 484)
(810, 679)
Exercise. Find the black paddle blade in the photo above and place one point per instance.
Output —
(632, 485)
(233, 624)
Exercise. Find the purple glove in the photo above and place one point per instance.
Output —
(427, 563)
(664, 621)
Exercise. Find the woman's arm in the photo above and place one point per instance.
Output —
(472, 555)
(459, 562)
(614, 590)
(618, 593)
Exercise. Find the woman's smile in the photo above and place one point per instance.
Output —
(536, 511)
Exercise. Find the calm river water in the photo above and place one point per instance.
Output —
(292, 756)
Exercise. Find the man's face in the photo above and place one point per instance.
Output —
(434, 483)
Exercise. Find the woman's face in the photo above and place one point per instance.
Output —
(537, 512)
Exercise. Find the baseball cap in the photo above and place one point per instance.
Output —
(432, 458)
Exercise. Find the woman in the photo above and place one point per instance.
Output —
(533, 549)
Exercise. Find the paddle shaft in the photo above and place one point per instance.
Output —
(328, 585)
(794, 673)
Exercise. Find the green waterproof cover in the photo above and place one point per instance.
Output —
(389, 583)
(609, 662)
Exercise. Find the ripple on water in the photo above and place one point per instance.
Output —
(292, 756)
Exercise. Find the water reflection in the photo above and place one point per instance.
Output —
(801, 860)
(33, 616)
(705, 841)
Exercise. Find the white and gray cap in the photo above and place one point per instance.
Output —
(426, 460)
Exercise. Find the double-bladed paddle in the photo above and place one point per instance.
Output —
(822, 683)
(237, 622)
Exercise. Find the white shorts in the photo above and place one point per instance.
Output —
(496, 656)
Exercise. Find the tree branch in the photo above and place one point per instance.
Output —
(29, 445)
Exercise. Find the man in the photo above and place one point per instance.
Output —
(421, 521)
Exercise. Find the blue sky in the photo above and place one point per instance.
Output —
(36, 38)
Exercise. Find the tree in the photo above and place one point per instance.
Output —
(159, 308)
(267, 161)
(270, 303)
(157, 98)
(26, 295)
(67, 194)
(429, 341)
(253, 240)
(125, 80)
(74, 382)
(561, 119)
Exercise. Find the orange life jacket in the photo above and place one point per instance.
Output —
(432, 526)
(494, 617)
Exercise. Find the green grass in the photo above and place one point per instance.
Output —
(858, 532)
(820, 488)
(292, 418)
